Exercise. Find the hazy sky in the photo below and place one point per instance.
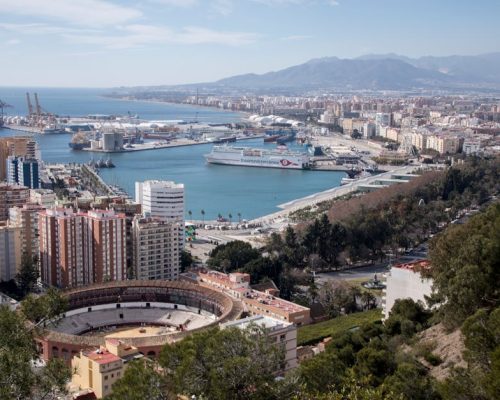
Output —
(105, 43)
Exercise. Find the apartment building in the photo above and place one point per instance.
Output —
(156, 251)
(23, 171)
(43, 197)
(10, 251)
(12, 196)
(19, 146)
(81, 248)
(26, 218)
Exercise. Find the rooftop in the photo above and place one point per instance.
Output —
(102, 356)
(261, 320)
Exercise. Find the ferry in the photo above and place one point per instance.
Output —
(250, 157)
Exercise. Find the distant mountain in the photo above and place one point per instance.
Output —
(484, 68)
(331, 72)
(372, 71)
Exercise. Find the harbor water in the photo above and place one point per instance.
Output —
(216, 189)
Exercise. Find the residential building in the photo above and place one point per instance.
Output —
(282, 333)
(404, 281)
(161, 199)
(131, 210)
(26, 218)
(156, 252)
(10, 251)
(99, 369)
(81, 248)
(43, 197)
(23, 171)
(20, 146)
(12, 196)
(369, 130)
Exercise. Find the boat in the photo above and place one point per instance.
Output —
(109, 163)
(286, 139)
(271, 139)
(52, 129)
(230, 139)
(251, 157)
(79, 141)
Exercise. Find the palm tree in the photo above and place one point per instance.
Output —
(190, 213)
(219, 216)
(230, 216)
(203, 215)
(239, 218)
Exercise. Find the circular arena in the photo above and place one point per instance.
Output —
(143, 314)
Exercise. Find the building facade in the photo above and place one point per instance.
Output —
(404, 281)
(15, 146)
(156, 251)
(26, 218)
(10, 251)
(81, 248)
(99, 369)
(12, 196)
(23, 171)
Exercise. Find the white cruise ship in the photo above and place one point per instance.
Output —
(249, 157)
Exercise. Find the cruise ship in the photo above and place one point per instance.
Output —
(250, 157)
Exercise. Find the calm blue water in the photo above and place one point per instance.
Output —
(253, 192)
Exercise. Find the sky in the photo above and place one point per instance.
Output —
(110, 43)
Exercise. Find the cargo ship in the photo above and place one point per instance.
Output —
(250, 157)
(79, 141)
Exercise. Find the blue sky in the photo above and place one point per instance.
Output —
(106, 43)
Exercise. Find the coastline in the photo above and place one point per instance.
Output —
(246, 114)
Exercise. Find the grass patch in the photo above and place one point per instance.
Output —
(311, 334)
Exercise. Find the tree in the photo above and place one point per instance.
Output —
(190, 213)
(230, 216)
(356, 134)
(465, 269)
(186, 260)
(43, 308)
(223, 364)
(141, 380)
(239, 218)
(203, 215)
(28, 273)
(237, 252)
(18, 379)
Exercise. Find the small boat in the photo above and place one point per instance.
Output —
(109, 163)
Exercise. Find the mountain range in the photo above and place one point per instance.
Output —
(379, 72)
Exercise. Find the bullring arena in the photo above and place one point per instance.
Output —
(143, 314)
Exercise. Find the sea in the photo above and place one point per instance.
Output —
(215, 189)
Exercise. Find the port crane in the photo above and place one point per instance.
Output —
(2, 106)
(37, 116)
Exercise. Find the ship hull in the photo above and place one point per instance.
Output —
(248, 164)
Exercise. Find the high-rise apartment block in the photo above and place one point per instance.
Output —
(81, 248)
(157, 253)
(161, 199)
(161, 231)
(10, 251)
(19, 146)
(26, 218)
(23, 171)
(12, 196)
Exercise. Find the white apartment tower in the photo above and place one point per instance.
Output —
(161, 199)
(159, 236)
